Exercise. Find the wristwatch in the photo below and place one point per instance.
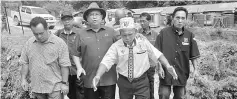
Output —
(66, 83)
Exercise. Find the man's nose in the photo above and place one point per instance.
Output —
(126, 37)
(39, 36)
(180, 20)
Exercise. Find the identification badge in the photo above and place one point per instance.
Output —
(106, 34)
(185, 42)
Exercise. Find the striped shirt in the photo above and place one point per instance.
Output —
(45, 60)
(142, 52)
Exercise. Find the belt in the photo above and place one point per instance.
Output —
(142, 77)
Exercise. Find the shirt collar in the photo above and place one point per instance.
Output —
(176, 30)
(116, 23)
(101, 27)
(133, 44)
(50, 39)
(71, 32)
(149, 32)
(67, 32)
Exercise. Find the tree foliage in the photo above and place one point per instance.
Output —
(57, 6)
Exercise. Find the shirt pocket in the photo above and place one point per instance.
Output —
(141, 52)
(50, 56)
(141, 57)
(88, 40)
(185, 48)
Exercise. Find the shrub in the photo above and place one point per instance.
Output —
(217, 66)
(10, 76)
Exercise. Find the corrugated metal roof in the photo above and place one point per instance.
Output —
(126, 10)
(148, 10)
(31, 6)
(193, 8)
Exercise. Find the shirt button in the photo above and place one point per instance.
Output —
(176, 51)
(98, 40)
(177, 44)
(99, 56)
(98, 48)
(175, 58)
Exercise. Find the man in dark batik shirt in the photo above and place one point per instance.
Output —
(91, 44)
(179, 46)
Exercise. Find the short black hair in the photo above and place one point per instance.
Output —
(37, 20)
(147, 15)
(180, 9)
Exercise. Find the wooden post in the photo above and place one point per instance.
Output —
(20, 20)
(7, 19)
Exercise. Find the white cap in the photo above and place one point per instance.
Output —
(127, 22)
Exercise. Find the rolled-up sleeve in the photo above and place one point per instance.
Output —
(110, 57)
(194, 52)
(24, 57)
(153, 53)
(64, 55)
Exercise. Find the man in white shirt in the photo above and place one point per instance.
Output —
(131, 54)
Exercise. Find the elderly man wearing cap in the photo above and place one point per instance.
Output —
(91, 44)
(68, 34)
(131, 54)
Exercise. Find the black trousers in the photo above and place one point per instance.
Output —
(75, 88)
(150, 74)
(102, 92)
(138, 87)
(165, 90)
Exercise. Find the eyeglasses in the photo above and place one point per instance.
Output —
(94, 14)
